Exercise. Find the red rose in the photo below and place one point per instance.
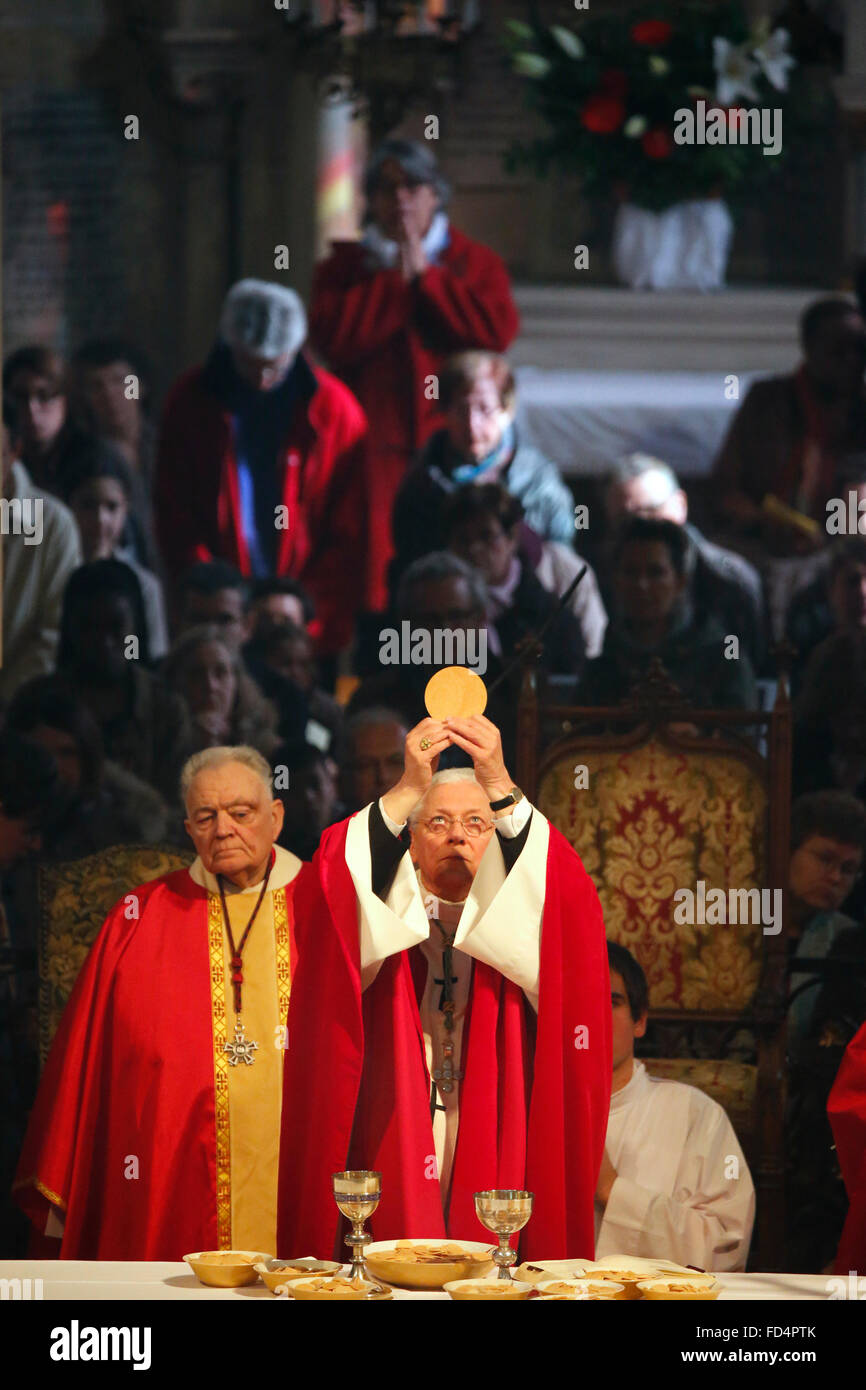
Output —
(651, 32)
(613, 83)
(657, 143)
(603, 114)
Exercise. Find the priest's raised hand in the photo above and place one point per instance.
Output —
(450, 1019)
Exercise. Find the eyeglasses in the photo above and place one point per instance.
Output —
(473, 826)
(41, 395)
(848, 868)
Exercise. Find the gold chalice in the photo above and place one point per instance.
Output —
(357, 1193)
(502, 1211)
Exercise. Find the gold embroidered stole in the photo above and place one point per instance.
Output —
(248, 1098)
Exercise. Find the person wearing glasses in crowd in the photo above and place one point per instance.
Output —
(35, 382)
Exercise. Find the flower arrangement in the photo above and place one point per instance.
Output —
(652, 105)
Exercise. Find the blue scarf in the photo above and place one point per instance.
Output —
(471, 472)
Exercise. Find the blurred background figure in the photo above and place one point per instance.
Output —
(98, 488)
(282, 660)
(104, 656)
(112, 395)
(35, 383)
(440, 593)
(278, 600)
(834, 602)
(305, 781)
(28, 801)
(387, 310)
(260, 460)
(830, 716)
(791, 433)
(477, 443)
(37, 561)
(723, 584)
(653, 616)
(225, 705)
(482, 526)
(372, 756)
(102, 804)
(213, 592)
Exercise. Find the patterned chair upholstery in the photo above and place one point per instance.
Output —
(652, 820)
(665, 807)
(74, 899)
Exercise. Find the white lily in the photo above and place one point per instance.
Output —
(735, 72)
(774, 58)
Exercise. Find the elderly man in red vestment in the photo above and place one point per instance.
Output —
(450, 1024)
(387, 310)
(156, 1127)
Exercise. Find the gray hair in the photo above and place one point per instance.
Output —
(263, 318)
(441, 564)
(417, 162)
(450, 774)
(210, 758)
(636, 465)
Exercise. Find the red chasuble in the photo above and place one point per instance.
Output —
(356, 1091)
(136, 1071)
(846, 1109)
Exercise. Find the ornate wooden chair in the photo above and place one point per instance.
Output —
(74, 898)
(656, 797)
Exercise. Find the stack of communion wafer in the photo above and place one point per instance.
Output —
(618, 1277)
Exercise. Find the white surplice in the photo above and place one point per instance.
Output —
(500, 924)
(675, 1196)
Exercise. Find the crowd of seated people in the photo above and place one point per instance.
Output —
(245, 571)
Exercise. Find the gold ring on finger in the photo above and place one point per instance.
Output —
(424, 744)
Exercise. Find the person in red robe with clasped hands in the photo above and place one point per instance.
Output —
(387, 310)
(450, 1023)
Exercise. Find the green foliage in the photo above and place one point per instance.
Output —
(599, 69)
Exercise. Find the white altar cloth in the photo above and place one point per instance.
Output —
(94, 1280)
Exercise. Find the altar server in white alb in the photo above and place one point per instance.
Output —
(673, 1183)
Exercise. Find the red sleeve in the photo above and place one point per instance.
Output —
(353, 314)
(338, 517)
(323, 1061)
(846, 1110)
(475, 310)
(573, 1062)
(178, 518)
(66, 1114)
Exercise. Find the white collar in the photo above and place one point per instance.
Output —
(286, 867)
(632, 1090)
(385, 252)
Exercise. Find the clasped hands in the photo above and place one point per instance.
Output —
(410, 246)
